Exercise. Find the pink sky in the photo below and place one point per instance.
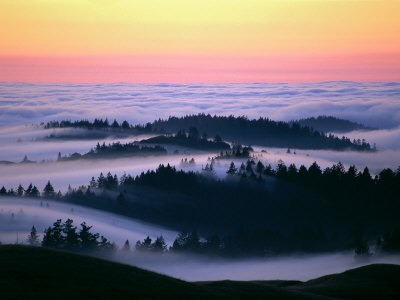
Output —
(186, 68)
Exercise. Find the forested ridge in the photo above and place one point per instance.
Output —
(191, 139)
(262, 131)
(116, 150)
(331, 124)
(256, 209)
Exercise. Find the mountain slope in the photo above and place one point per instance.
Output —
(40, 273)
(331, 124)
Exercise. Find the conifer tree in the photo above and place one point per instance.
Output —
(33, 238)
(48, 190)
(126, 246)
(232, 169)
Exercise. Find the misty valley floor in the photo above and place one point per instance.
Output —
(40, 273)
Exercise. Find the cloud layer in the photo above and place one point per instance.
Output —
(373, 104)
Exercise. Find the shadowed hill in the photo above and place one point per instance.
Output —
(378, 281)
(40, 273)
(262, 131)
(331, 124)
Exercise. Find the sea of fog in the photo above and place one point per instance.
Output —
(373, 104)
(24, 104)
(17, 216)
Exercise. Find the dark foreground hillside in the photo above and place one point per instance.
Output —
(40, 273)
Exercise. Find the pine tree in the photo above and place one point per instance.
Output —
(35, 192)
(260, 167)
(33, 238)
(88, 240)
(93, 183)
(232, 169)
(159, 244)
(20, 190)
(71, 235)
(126, 246)
(28, 191)
(115, 124)
(48, 190)
(3, 191)
(125, 124)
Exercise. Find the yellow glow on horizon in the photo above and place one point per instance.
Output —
(207, 27)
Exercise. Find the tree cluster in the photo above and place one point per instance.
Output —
(292, 206)
(115, 150)
(190, 139)
(98, 124)
(30, 191)
(67, 236)
(331, 124)
(262, 131)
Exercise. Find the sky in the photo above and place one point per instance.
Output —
(149, 41)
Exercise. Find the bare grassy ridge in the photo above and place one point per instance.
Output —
(40, 273)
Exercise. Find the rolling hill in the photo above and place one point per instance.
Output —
(40, 273)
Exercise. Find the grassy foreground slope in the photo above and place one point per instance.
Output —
(39, 273)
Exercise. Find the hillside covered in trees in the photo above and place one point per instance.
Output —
(262, 131)
(98, 124)
(257, 209)
(331, 124)
(192, 139)
(116, 150)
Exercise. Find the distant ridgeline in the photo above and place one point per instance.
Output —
(262, 131)
(331, 124)
(116, 150)
(98, 124)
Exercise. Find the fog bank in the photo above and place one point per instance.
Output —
(17, 216)
(375, 104)
(292, 267)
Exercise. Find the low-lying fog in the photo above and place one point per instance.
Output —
(79, 172)
(17, 216)
(18, 141)
(291, 267)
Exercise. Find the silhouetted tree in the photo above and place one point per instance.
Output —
(20, 190)
(126, 246)
(3, 191)
(33, 238)
(159, 244)
(232, 169)
(48, 190)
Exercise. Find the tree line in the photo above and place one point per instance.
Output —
(243, 242)
(332, 124)
(98, 124)
(262, 131)
(115, 150)
(66, 236)
(190, 139)
(338, 205)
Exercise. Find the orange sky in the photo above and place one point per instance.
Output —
(199, 40)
